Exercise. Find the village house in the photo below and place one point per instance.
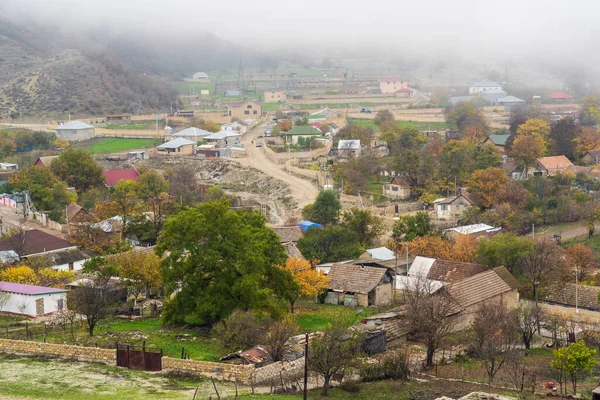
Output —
(112, 177)
(9, 166)
(288, 237)
(383, 257)
(452, 207)
(179, 146)
(398, 188)
(201, 77)
(34, 243)
(405, 92)
(75, 213)
(298, 131)
(274, 95)
(550, 166)
(192, 133)
(484, 86)
(572, 300)
(349, 148)
(499, 141)
(474, 231)
(493, 95)
(32, 301)
(118, 119)
(396, 327)
(592, 157)
(44, 161)
(223, 139)
(359, 286)
(560, 98)
(495, 285)
(511, 102)
(245, 109)
(235, 126)
(442, 270)
(75, 131)
(392, 84)
(70, 260)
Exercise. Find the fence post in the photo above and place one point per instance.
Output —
(27, 330)
(6, 326)
(182, 352)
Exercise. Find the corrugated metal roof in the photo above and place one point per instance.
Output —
(381, 253)
(74, 125)
(176, 143)
(349, 145)
(421, 266)
(20, 288)
(471, 229)
(222, 135)
(192, 132)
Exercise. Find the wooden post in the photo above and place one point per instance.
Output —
(182, 352)
(27, 330)
(144, 345)
(306, 367)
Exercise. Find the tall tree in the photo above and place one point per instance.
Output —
(535, 127)
(383, 116)
(331, 244)
(582, 259)
(78, 168)
(153, 189)
(367, 226)
(408, 227)
(526, 149)
(310, 280)
(527, 319)
(94, 300)
(543, 264)
(563, 137)
(505, 249)
(485, 184)
(218, 260)
(325, 210)
(590, 111)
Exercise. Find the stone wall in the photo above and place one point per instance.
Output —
(222, 371)
(59, 350)
(274, 373)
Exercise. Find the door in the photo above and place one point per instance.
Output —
(39, 307)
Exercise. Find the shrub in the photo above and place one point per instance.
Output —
(240, 331)
(394, 365)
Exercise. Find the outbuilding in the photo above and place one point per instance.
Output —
(32, 301)
(75, 131)
(359, 286)
(181, 146)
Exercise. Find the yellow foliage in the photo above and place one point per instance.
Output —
(21, 274)
(311, 280)
(52, 278)
(141, 268)
(61, 143)
(535, 127)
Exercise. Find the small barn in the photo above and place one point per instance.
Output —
(180, 146)
(398, 188)
(32, 301)
(359, 286)
(75, 131)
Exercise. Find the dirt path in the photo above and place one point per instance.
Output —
(11, 220)
(302, 191)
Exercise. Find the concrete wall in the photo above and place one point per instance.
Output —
(26, 304)
(568, 312)
(77, 266)
(75, 135)
(383, 294)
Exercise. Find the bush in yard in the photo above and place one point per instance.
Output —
(278, 335)
(394, 365)
(240, 331)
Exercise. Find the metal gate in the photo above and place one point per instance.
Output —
(133, 357)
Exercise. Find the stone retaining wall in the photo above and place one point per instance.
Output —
(273, 373)
(80, 353)
(222, 371)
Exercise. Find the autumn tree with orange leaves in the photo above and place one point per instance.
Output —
(461, 249)
(486, 184)
(582, 258)
(310, 280)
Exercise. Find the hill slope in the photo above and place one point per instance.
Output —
(79, 83)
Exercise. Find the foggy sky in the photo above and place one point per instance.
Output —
(469, 27)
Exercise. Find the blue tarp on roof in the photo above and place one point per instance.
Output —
(304, 225)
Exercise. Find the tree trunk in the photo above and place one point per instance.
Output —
(574, 380)
(292, 306)
(430, 353)
(325, 390)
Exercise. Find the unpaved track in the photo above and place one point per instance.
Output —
(303, 191)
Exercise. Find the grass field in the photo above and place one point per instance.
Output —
(112, 145)
(140, 126)
(365, 123)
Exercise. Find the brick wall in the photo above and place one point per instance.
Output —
(59, 350)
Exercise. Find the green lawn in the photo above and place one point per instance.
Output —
(365, 123)
(313, 317)
(271, 106)
(140, 126)
(425, 126)
(112, 145)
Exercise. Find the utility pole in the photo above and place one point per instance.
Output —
(306, 367)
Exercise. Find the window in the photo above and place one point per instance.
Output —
(394, 188)
(70, 266)
(255, 112)
(246, 112)
(443, 207)
(249, 106)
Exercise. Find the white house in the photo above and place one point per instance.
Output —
(72, 260)
(193, 133)
(32, 301)
(224, 138)
(234, 126)
(201, 77)
(75, 131)
(484, 86)
(351, 147)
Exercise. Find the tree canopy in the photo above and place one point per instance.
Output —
(334, 243)
(325, 210)
(219, 260)
(78, 168)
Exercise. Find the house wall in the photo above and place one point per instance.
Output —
(587, 159)
(400, 192)
(383, 294)
(26, 304)
(75, 135)
(464, 320)
(453, 210)
(391, 87)
(294, 138)
(77, 266)
(479, 89)
(249, 109)
(271, 97)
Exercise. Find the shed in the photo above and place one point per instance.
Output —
(554, 165)
(359, 286)
(474, 230)
(180, 146)
(75, 131)
(33, 301)
(398, 188)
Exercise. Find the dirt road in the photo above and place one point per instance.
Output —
(11, 220)
(304, 192)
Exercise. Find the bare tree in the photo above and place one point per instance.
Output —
(333, 352)
(278, 336)
(543, 264)
(557, 326)
(521, 375)
(526, 319)
(427, 313)
(495, 337)
(184, 185)
(94, 300)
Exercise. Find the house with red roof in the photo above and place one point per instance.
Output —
(31, 300)
(113, 177)
(560, 97)
(404, 92)
(392, 84)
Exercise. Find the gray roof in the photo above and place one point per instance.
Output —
(510, 99)
(176, 143)
(349, 145)
(192, 132)
(486, 83)
(223, 134)
(381, 253)
(74, 125)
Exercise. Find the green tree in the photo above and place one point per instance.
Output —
(400, 137)
(563, 137)
(525, 150)
(505, 249)
(590, 111)
(218, 260)
(325, 210)
(460, 158)
(331, 244)
(465, 115)
(575, 361)
(367, 226)
(409, 227)
(153, 189)
(78, 168)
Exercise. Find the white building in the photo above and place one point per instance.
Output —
(484, 86)
(351, 147)
(201, 77)
(75, 131)
(32, 301)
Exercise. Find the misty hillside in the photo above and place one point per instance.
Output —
(79, 83)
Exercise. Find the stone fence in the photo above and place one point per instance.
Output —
(244, 374)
